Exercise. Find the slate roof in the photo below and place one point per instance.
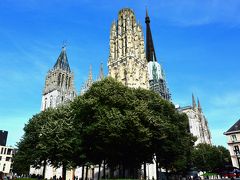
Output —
(235, 127)
(62, 61)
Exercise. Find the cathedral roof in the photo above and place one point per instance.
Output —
(62, 61)
(235, 127)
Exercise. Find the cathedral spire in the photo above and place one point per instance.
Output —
(62, 61)
(199, 106)
(101, 73)
(150, 52)
(193, 102)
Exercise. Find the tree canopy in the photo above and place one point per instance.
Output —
(111, 123)
(210, 158)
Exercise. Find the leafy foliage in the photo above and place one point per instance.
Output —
(121, 126)
(209, 158)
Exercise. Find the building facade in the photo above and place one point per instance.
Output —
(6, 154)
(198, 124)
(127, 61)
(233, 141)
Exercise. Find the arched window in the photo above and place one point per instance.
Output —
(66, 83)
(45, 104)
(69, 82)
(59, 79)
(51, 101)
(62, 79)
(132, 22)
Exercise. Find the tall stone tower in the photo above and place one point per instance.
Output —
(157, 80)
(59, 84)
(127, 61)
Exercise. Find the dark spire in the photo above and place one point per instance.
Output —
(62, 61)
(150, 52)
(193, 102)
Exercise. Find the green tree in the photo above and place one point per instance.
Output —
(209, 157)
(127, 127)
(29, 153)
(58, 139)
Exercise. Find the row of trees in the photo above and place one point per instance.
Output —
(110, 125)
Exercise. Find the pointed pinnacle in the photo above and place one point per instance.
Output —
(199, 106)
(146, 12)
(101, 73)
(193, 102)
(90, 79)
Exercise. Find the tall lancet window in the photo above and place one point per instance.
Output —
(45, 103)
(51, 101)
(59, 79)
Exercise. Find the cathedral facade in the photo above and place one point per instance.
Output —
(198, 124)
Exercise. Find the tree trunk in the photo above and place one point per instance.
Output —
(86, 177)
(99, 171)
(93, 172)
(64, 169)
(44, 168)
(157, 174)
(123, 171)
(119, 171)
(73, 174)
(82, 172)
(111, 172)
(144, 171)
(104, 169)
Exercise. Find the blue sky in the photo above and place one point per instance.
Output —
(197, 42)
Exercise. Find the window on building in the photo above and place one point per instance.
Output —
(8, 158)
(236, 150)
(51, 99)
(5, 150)
(59, 79)
(9, 151)
(2, 150)
(234, 137)
(0, 158)
(45, 103)
(4, 167)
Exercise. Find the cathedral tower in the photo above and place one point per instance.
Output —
(59, 84)
(127, 61)
(157, 79)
